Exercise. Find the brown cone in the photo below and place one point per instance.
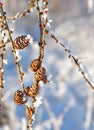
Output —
(21, 42)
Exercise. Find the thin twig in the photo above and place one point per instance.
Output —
(42, 26)
(1, 71)
(75, 59)
(20, 73)
(3, 45)
(31, 110)
(19, 15)
(2, 51)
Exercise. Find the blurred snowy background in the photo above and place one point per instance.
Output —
(67, 99)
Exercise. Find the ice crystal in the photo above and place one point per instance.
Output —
(5, 61)
(18, 56)
(38, 102)
(30, 38)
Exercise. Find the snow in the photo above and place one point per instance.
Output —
(18, 56)
(5, 61)
(38, 102)
(30, 38)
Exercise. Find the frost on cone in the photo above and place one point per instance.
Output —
(21, 42)
(19, 97)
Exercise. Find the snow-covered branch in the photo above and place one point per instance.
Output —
(72, 54)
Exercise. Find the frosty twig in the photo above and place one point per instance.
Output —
(41, 13)
(2, 50)
(19, 15)
(1, 70)
(7, 37)
(36, 66)
(81, 66)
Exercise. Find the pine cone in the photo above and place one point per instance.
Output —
(18, 97)
(35, 65)
(21, 42)
(32, 91)
(39, 75)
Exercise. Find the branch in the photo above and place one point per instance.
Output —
(7, 37)
(1, 71)
(19, 15)
(42, 25)
(36, 64)
(72, 54)
(2, 50)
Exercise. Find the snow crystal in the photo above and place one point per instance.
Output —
(85, 71)
(17, 15)
(49, 78)
(21, 68)
(13, 21)
(33, 117)
(44, 16)
(38, 102)
(41, 84)
(30, 38)
(32, 10)
(46, 9)
(30, 128)
(18, 56)
(12, 29)
(40, 5)
(2, 70)
(50, 20)
(44, 2)
(29, 102)
(24, 97)
(22, 83)
(4, 81)
(5, 61)
(49, 23)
